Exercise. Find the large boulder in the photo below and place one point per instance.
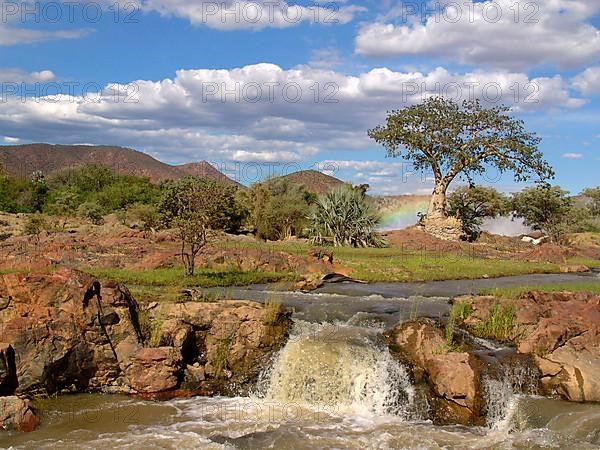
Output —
(155, 370)
(69, 332)
(561, 330)
(17, 413)
(453, 376)
(224, 345)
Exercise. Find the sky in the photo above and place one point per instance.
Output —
(270, 87)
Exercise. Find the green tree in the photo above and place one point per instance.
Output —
(593, 200)
(473, 204)
(65, 205)
(548, 209)
(91, 211)
(453, 140)
(277, 209)
(196, 208)
(345, 217)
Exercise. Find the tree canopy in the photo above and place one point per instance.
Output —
(460, 140)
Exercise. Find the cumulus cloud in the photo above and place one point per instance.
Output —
(252, 14)
(259, 112)
(20, 76)
(572, 156)
(588, 81)
(500, 33)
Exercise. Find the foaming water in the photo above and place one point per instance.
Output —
(341, 368)
(331, 386)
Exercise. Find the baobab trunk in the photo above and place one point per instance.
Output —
(437, 204)
(437, 222)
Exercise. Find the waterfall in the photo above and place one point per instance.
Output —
(340, 368)
(503, 390)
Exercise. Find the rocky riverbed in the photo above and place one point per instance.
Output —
(374, 364)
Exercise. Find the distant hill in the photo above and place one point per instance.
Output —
(312, 180)
(23, 160)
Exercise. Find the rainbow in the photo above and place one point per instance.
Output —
(401, 211)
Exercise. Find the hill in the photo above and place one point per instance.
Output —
(23, 160)
(312, 180)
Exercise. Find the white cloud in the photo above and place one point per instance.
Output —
(249, 14)
(20, 76)
(588, 81)
(256, 113)
(555, 32)
(572, 156)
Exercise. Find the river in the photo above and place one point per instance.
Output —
(333, 385)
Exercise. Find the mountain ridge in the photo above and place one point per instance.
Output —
(23, 160)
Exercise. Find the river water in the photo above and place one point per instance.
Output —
(333, 386)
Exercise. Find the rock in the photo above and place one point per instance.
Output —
(155, 370)
(562, 331)
(17, 413)
(8, 370)
(68, 331)
(445, 228)
(230, 340)
(193, 377)
(574, 268)
(453, 376)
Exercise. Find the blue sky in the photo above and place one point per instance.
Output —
(268, 87)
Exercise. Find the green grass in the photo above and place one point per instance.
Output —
(400, 264)
(165, 284)
(515, 292)
(498, 324)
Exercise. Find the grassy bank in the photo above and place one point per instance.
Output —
(514, 292)
(400, 264)
(166, 284)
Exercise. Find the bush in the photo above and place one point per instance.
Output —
(92, 212)
(548, 209)
(276, 209)
(34, 225)
(472, 204)
(345, 217)
(146, 215)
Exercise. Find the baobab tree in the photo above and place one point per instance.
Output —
(455, 140)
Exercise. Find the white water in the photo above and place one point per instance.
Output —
(331, 386)
(340, 369)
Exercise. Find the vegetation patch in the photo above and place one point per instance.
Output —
(515, 292)
(498, 324)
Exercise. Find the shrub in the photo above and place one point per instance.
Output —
(472, 204)
(146, 215)
(91, 211)
(345, 217)
(34, 225)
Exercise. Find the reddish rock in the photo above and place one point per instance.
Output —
(562, 331)
(17, 413)
(453, 376)
(63, 334)
(155, 370)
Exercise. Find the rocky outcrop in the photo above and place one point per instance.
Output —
(445, 228)
(454, 377)
(70, 333)
(222, 345)
(17, 413)
(561, 330)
